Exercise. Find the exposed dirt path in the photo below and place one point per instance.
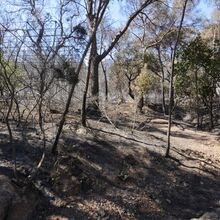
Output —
(186, 137)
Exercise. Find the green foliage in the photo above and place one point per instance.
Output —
(129, 62)
(10, 74)
(197, 70)
(196, 53)
(152, 62)
(182, 84)
(146, 81)
(138, 68)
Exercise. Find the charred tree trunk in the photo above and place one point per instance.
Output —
(171, 81)
(106, 82)
(83, 111)
(130, 91)
(93, 56)
(93, 105)
(94, 21)
(163, 95)
(197, 101)
(18, 112)
(211, 125)
(140, 103)
(95, 83)
(162, 81)
(13, 147)
(63, 117)
(10, 106)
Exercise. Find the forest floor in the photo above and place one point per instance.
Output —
(116, 169)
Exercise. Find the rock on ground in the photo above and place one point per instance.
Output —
(14, 206)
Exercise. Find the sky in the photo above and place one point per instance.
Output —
(206, 9)
(205, 6)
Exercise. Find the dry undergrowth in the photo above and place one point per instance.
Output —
(115, 169)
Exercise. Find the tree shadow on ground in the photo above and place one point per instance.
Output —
(154, 187)
(116, 178)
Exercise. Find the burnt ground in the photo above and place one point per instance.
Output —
(116, 169)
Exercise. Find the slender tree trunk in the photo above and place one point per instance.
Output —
(13, 147)
(119, 88)
(197, 100)
(40, 115)
(1, 91)
(162, 80)
(7, 119)
(163, 95)
(95, 83)
(130, 91)
(83, 111)
(211, 126)
(171, 81)
(140, 103)
(41, 120)
(18, 112)
(106, 81)
(63, 118)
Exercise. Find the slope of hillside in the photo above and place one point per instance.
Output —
(115, 169)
